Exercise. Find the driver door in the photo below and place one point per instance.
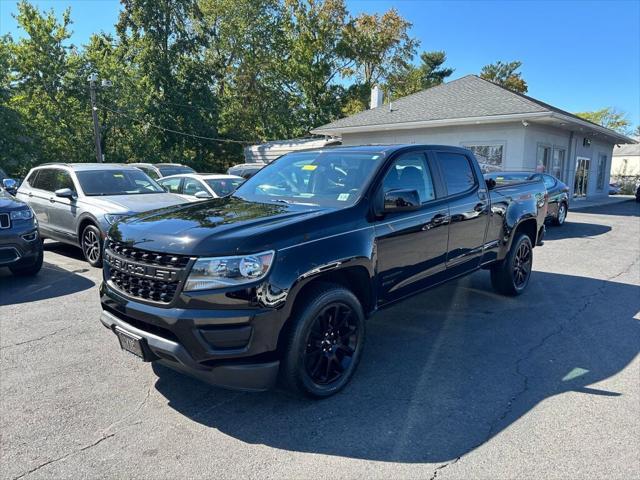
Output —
(411, 246)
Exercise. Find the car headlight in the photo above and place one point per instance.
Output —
(112, 218)
(218, 272)
(24, 214)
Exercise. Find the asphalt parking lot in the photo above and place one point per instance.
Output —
(455, 383)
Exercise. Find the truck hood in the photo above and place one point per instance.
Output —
(221, 226)
(134, 203)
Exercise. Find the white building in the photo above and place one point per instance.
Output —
(626, 162)
(506, 131)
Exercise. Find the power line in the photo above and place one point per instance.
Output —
(177, 132)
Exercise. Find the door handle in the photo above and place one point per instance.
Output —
(436, 220)
(480, 207)
(52, 200)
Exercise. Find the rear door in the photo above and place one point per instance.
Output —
(411, 246)
(468, 203)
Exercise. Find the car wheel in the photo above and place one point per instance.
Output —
(562, 215)
(22, 269)
(325, 342)
(511, 275)
(92, 245)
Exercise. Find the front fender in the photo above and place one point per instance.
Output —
(300, 264)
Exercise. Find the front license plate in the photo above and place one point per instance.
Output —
(130, 343)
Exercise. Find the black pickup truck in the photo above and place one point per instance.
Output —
(276, 281)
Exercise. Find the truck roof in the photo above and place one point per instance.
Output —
(388, 148)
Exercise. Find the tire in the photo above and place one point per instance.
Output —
(28, 269)
(511, 275)
(324, 342)
(91, 244)
(559, 219)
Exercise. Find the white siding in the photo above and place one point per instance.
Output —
(510, 135)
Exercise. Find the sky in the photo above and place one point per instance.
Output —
(577, 55)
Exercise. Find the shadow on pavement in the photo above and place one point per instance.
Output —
(575, 230)
(65, 249)
(442, 373)
(627, 208)
(50, 282)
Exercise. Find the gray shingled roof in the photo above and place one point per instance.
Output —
(466, 97)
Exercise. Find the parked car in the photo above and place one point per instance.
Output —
(278, 278)
(20, 244)
(245, 170)
(7, 183)
(557, 190)
(638, 193)
(76, 203)
(614, 189)
(201, 186)
(159, 170)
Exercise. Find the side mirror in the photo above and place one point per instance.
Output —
(202, 194)
(401, 201)
(491, 183)
(10, 185)
(65, 193)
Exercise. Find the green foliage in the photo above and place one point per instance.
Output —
(505, 75)
(608, 117)
(193, 81)
(412, 79)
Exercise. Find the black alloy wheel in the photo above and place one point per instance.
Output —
(522, 265)
(331, 343)
(324, 341)
(511, 275)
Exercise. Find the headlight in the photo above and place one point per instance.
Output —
(24, 214)
(112, 218)
(218, 272)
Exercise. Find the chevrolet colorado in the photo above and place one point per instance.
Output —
(276, 281)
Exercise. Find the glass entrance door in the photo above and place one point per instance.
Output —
(582, 178)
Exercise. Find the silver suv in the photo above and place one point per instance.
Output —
(77, 203)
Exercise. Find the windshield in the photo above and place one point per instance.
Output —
(325, 178)
(116, 182)
(224, 186)
(167, 170)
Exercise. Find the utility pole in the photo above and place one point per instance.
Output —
(94, 113)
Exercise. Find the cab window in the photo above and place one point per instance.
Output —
(410, 172)
(457, 172)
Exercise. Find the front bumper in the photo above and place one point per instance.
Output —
(19, 244)
(232, 348)
(238, 376)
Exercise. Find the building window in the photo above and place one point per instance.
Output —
(490, 156)
(543, 159)
(602, 163)
(557, 163)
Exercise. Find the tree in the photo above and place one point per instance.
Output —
(608, 117)
(380, 47)
(505, 75)
(40, 93)
(314, 57)
(413, 79)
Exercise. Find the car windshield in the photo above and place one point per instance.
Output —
(116, 182)
(324, 178)
(167, 170)
(224, 186)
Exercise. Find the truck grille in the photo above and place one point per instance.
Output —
(143, 274)
(4, 220)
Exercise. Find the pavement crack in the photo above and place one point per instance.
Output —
(64, 457)
(36, 339)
